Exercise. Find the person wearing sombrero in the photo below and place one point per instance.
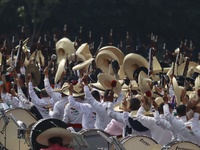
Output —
(55, 138)
(102, 118)
(89, 115)
(58, 95)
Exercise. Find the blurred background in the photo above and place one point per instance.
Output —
(171, 21)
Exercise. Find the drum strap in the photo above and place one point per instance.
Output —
(136, 125)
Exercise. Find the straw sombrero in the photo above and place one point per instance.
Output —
(60, 70)
(103, 59)
(107, 80)
(131, 62)
(84, 50)
(84, 64)
(182, 66)
(146, 113)
(118, 53)
(159, 100)
(157, 67)
(64, 48)
(66, 136)
(177, 90)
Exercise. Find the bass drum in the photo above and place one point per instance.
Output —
(181, 145)
(137, 142)
(41, 126)
(12, 141)
(94, 139)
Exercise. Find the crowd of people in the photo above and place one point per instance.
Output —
(119, 95)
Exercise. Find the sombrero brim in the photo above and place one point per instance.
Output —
(182, 66)
(83, 64)
(84, 50)
(31, 68)
(177, 90)
(106, 79)
(131, 62)
(146, 113)
(66, 136)
(60, 70)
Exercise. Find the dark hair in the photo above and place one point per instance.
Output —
(107, 92)
(22, 77)
(43, 92)
(55, 140)
(95, 94)
(134, 104)
(181, 110)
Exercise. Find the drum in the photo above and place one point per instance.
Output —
(10, 131)
(94, 139)
(181, 145)
(41, 126)
(131, 142)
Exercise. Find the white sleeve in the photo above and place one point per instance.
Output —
(195, 124)
(146, 121)
(66, 117)
(50, 91)
(116, 115)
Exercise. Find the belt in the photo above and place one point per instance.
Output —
(75, 125)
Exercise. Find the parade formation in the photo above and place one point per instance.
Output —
(74, 97)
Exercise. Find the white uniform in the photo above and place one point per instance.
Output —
(102, 118)
(89, 116)
(160, 135)
(196, 125)
(60, 102)
(123, 118)
(12, 101)
(42, 103)
(180, 127)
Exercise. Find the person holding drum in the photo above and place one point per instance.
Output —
(55, 138)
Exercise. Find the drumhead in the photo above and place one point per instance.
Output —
(12, 141)
(41, 126)
(94, 139)
(138, 142)
(181, 145)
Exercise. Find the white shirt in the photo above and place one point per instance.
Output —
(102, 118)
(89, 115)
(60, 102)
(160, 135)
(196, 125)
(180, 127)
(123, 118)
(12, 101)
(40, 104)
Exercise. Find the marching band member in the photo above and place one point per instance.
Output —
(42, 104)
(61, 99)
(89, 116)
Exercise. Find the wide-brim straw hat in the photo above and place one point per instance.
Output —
(132, 86)
(38, 56)
(106, 81)
(77, 57)
(61, 68)
(34, 70)
(177, 90)
(77, 89)
(64, 48)
(116, 51)
(102, 60)
(131, 62)
(0, 58)
(84, 50)
(182, 67)
(119, 107)
(82, 65)
(157, 67)
(144, 83)
(159, 100)
(146, 113)
(66, 136)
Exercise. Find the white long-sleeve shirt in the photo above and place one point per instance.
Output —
(60, 102)
(12, 101)
(123, 118)
(89, 115)
(160, 135)
(40, 104)
(180, 127)
(102, 118)
(196, 124)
